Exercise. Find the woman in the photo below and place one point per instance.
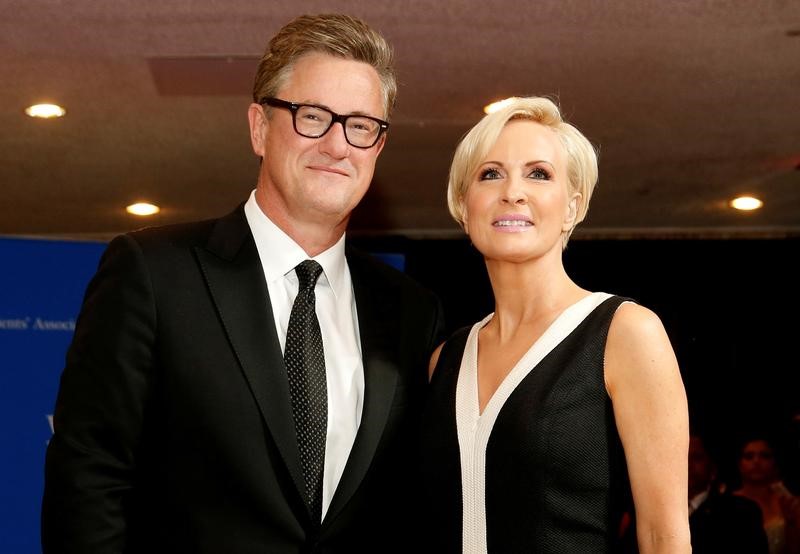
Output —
(527, 431)
(761, 483)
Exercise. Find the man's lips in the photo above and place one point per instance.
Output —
(329, 169)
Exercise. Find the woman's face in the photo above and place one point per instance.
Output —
(517, 204)
(757, 463)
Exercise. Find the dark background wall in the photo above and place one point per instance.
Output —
(731, 309)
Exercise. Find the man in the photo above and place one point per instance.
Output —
(719, 522)
(191, 416)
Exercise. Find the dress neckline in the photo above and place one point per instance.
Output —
(555, 332)
(474, 428)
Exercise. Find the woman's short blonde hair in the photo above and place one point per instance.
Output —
(474, 147)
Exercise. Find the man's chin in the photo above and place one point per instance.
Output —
(333, 210)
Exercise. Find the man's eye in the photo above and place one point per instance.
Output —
(360, 126)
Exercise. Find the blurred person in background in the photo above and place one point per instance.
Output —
(761, 482)
(719, 521)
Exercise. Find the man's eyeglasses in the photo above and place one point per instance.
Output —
(310, 121)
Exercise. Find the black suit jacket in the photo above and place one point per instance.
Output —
(173, 424)
(727, 523)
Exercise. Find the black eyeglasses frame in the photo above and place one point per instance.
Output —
(293, 107)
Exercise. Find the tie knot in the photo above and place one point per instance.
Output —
(308, 272)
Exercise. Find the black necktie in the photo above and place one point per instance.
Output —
(305, 366)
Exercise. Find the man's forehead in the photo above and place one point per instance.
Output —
(340, 84)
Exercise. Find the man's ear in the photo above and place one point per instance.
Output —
(258, 127)
(571, 214)
(381, 144)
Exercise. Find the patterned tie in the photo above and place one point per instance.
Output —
(305, 366)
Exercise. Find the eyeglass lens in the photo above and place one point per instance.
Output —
(313, 122)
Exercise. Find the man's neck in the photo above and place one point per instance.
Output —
(314, 237)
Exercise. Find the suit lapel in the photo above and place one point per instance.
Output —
(374, 307)
(235, 279)
(233, 272)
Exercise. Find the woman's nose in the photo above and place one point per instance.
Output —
(513, 193)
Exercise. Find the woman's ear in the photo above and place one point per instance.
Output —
(571, 215)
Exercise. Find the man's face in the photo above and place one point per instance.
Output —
(306, 181)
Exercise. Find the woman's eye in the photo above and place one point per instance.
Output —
(539, 173)
(489, 174)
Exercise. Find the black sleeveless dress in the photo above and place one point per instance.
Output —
(545, 472)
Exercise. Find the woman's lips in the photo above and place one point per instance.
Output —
(512, 223)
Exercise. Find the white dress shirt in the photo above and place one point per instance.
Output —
(338, 321)
(697, 500)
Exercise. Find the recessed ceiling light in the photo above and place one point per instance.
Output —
(499, 105)
(45, 111)
(142, 208)
(746, 203)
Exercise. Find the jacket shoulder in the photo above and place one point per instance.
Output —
(176, 235)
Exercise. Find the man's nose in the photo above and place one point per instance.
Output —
(334, 142)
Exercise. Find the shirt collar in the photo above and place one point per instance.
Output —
(698, 499)
(284, 253)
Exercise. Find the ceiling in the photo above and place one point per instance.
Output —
(690, 103)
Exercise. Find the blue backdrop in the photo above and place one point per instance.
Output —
(41, 288)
